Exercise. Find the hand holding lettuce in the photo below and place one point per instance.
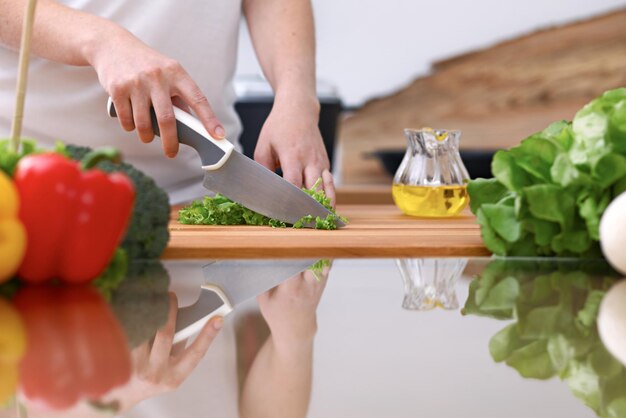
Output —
(548, 193)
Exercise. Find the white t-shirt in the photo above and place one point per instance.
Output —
(68, 103)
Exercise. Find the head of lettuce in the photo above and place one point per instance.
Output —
(549, 192)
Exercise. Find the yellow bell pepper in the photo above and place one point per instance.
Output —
(12, 232)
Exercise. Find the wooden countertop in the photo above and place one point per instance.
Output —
(379, 230)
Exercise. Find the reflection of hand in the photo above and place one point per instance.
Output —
(289, 308)
(286, 358)
(294, 143)
(157, 369)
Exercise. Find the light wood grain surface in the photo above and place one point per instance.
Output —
(374, 231)
(496, 97)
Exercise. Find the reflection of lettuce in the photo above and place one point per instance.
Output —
(554, 305)
(141, 301)
(549, 192)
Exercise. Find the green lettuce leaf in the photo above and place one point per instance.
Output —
(560, 181)
(220, 210)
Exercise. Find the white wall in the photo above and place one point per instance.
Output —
(371, 48)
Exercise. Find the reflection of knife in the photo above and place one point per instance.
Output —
(227, 284)
(239, 178)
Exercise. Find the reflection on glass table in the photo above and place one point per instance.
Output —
(356, 352)
(87, 351)
(275, 347)
(70, 344)
(554, 306)
(430, 282)
(228, 283)
(285, 359)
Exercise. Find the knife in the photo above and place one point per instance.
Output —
(229, 283)
(240, 178)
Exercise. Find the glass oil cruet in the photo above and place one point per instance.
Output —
(431, 180)
(430, 282)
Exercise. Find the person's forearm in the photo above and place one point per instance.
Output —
(60, 33)
(279, 382)
(283, 36)
(135, 76)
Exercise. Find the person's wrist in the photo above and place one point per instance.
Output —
(295, 339)
(297, 103)
(100, 39)
(295, 349)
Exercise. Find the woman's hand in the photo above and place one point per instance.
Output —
(290, 139)
(138, 77)
(132, 73)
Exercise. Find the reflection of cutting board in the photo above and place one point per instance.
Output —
(373, 231)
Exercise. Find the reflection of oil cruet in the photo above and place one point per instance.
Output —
(431, 180)
(430, 282)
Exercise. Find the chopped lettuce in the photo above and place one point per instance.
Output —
(549, 192)
(318, 268)
(220, 210)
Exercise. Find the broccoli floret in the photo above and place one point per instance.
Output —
(114, 274)
(147, 233)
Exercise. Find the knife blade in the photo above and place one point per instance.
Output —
(229, 283)
(241, 179)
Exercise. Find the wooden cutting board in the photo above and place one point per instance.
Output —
(373, 231)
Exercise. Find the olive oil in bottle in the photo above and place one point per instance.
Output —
(430, 201)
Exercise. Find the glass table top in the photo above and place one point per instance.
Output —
(447, 337)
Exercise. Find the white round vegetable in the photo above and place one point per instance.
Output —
(613, 233)
(611, 324)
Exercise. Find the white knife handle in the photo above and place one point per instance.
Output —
(191, 319)
(213, 152)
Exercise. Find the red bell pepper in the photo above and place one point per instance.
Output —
(74, 218)
(76, 348)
